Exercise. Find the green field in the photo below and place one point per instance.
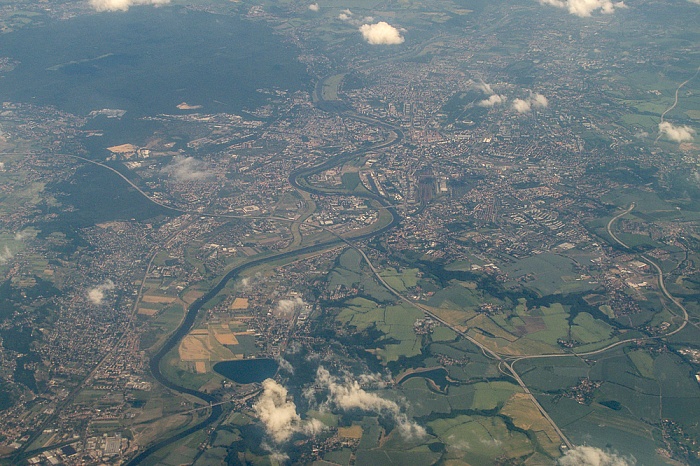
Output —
(400, 281)
(395, 322)
(480, 440)
(548, 274)
(161, 326)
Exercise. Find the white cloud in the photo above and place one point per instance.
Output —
(492, 101)
(485, 88)
(187, 169)
(533, 101)
(347, 394)
(345, 15)
(522, 106)
(97, 294)
(381, 33)
(680, 133)
(287, 307)
(122, 5)
(697, 2)
(247, 283)
(538, 100)
(285, 365)
(585, 8)
(314, 7)
(590, 456)
(280, 416)
(6, 255)
(22, 235)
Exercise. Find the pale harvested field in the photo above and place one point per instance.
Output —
(149, 298)
(225, 338)
(239, 304)
(200, 367)
(193, 349)
(123, 148)
(144, 311)
(354, 432)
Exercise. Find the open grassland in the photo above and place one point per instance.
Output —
(395, 322)
(479, 439)
(400, 281)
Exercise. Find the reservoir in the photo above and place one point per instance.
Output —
(247, 370)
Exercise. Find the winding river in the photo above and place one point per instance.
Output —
(193, 311)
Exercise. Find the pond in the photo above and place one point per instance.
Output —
(247, 370)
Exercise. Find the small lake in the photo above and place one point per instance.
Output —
(247, 370)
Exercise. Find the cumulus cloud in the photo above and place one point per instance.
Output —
(521, 105)
(287, 307)
(680, 133)
(22, 235)
(533, 101)
(247, 283)
(538, 100)
(485, 88)
(697, 2)
(187, 169)
(5, 255)
(97, 294)
(584, 455)
(122, 5)
(492, 101)
(314, 7)
(347, 394)
(279, 415)
(345, 15)
(381, 33)
(585, 8)
(285, 365)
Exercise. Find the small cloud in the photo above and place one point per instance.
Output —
(533, 101)
(24, 234)
(585, 8)
(6, 255)
(187, 169)
(347, 394)
(584, 455)
(285, 365)
(247, 283)
(697, 2)
(287, 307)
(680, 133)
(521, 105)
(314, 7)
(381, 33)
(539, 101)
(642, 134)
(492, 101)
(485, 88)
(279, 415)
(122, 5)
(345, 15)
(97, 294)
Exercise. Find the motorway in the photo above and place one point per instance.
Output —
(297, 179)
